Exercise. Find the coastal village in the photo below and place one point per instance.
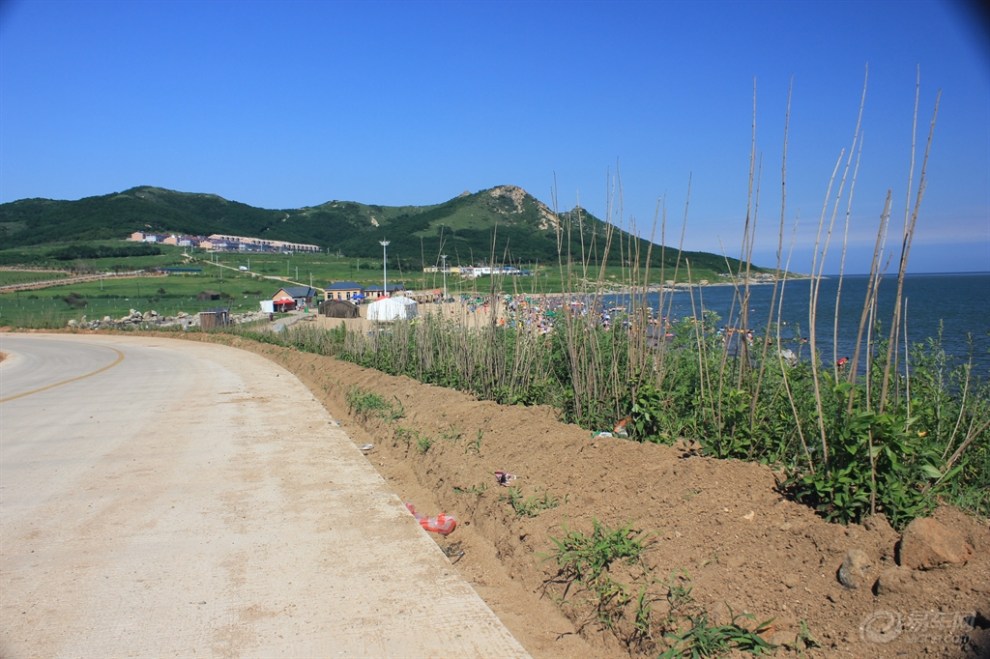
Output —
(387, 302)
(349, 290)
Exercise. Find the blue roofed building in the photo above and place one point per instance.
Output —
(345, 290)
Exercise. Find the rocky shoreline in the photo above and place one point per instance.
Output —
(151, 320)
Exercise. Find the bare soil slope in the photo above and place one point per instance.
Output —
(719, 527)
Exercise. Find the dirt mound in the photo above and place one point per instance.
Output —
(717, 527)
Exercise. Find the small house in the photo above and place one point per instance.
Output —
(377, 292)
(345, 290)
(300, 296)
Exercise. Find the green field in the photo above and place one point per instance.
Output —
(242, 290)
(114, 297)
(9, 277)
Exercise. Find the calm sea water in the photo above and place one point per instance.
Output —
(958, 303)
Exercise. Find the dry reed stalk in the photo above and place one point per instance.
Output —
(776, 303)
(962, 409)
(784, 370)
(817, 267)
(857, 147)
(974, 432)
(911, 213)
(659, 360)
(870, 300)
(704, 377)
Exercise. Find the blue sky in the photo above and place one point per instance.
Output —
(613, 105)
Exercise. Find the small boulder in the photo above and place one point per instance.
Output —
(791, 580)
(979, 641)
(895, 580)
(855, 569)
(878, 524)
(927, 544)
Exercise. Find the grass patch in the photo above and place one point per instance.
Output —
(703, 639)
(585, 557)
(367, 404)
(529, 506)
(476, 490)
(646, 614)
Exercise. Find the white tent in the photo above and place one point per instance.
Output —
(392, 308)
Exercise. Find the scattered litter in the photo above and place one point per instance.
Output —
(367, 447)
(454, 551)
(620, 427)
(443, 523)
(503, 478)
(602, 433)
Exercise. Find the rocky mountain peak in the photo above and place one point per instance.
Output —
(519, 197)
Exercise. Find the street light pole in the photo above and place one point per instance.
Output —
(384, 244)
(444, 257)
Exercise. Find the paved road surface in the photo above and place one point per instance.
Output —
(164, 498)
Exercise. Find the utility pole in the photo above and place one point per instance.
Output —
(384, 244)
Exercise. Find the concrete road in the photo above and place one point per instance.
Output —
(165, 498)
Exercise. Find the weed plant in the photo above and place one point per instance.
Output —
(530, 506)
(367, 404)
(703, 639)
(477, 490)
(586, 557)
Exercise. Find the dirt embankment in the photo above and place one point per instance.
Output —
(719, 527)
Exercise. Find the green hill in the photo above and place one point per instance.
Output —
(504, 221)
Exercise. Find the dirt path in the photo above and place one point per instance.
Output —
(77, 279)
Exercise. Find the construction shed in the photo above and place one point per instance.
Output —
(212, 318)
(339, 309)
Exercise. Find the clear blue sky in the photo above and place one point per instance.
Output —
(613, 105)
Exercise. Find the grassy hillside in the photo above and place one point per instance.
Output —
(503, 221)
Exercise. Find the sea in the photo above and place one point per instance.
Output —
(953, 305)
